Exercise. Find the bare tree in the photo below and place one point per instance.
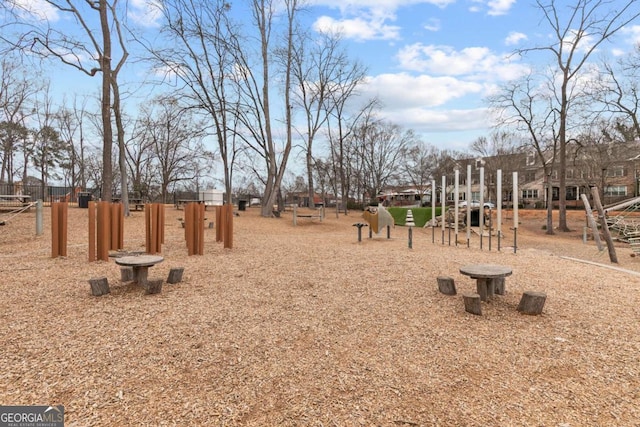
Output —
(578, 32)
(140, 155)
(381, 146)
(498, 152)
(47, 148)
(528, 108)
(17, 94)
(341, 125)
(87, 50)
(176, 138)
(318, 66)
(419, 164)
(203, 52)
(618, 90)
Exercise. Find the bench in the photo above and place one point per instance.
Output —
(136, 203)
(317, 213)
(133, 203)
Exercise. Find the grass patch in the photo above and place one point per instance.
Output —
(420, 215)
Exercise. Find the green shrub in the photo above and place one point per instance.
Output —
(420, 215)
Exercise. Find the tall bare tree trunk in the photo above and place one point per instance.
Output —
(105, 62)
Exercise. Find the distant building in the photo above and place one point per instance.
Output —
(613, 168)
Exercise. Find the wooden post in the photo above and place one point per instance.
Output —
(228, 232)
(59, 214)
(532, 302)
(147, 228)
(188, 227)
(154, 225)
(219, 224)
(446, 285)
(64, 215)
(592, 222)
(113, 237)
(92, 231)
(603, 224)
(103, 234)
(55, 231)
(157, 227)
(472, 304)
(201, 208)
(161, 223)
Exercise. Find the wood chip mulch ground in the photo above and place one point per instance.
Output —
(306, 326)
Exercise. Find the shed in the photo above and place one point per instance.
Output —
(212, 197)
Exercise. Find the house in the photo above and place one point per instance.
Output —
(614, 168)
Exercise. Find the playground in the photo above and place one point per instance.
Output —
(305, 325)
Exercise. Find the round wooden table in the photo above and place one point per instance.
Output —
(140, 265)
(487, 277)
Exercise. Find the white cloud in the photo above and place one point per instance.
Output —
(345, 5)
(432, 24)
(38, 9)
(358, 28)
(368, 19)
(499, 7)
(474, 62)
(618, 52)
(515, 38)
(146, 13)
(495, 7)
(633, 34)
(402, 91)
(426, 121)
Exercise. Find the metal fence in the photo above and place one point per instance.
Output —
(47, 193)
(51, 193)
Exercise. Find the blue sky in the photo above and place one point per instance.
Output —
(431, 62)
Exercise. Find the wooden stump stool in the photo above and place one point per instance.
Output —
(153, 286)
(472, 304)
(446, 285)
(175, 275)
(99, 286)
(532, 302)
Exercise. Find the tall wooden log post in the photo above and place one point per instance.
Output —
(592, 222)
(603, 223)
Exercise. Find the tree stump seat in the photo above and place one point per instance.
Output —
(446, 285)
(175, 275)
(472, 303)
(99, 286)
(532, 302)
(153, 286)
